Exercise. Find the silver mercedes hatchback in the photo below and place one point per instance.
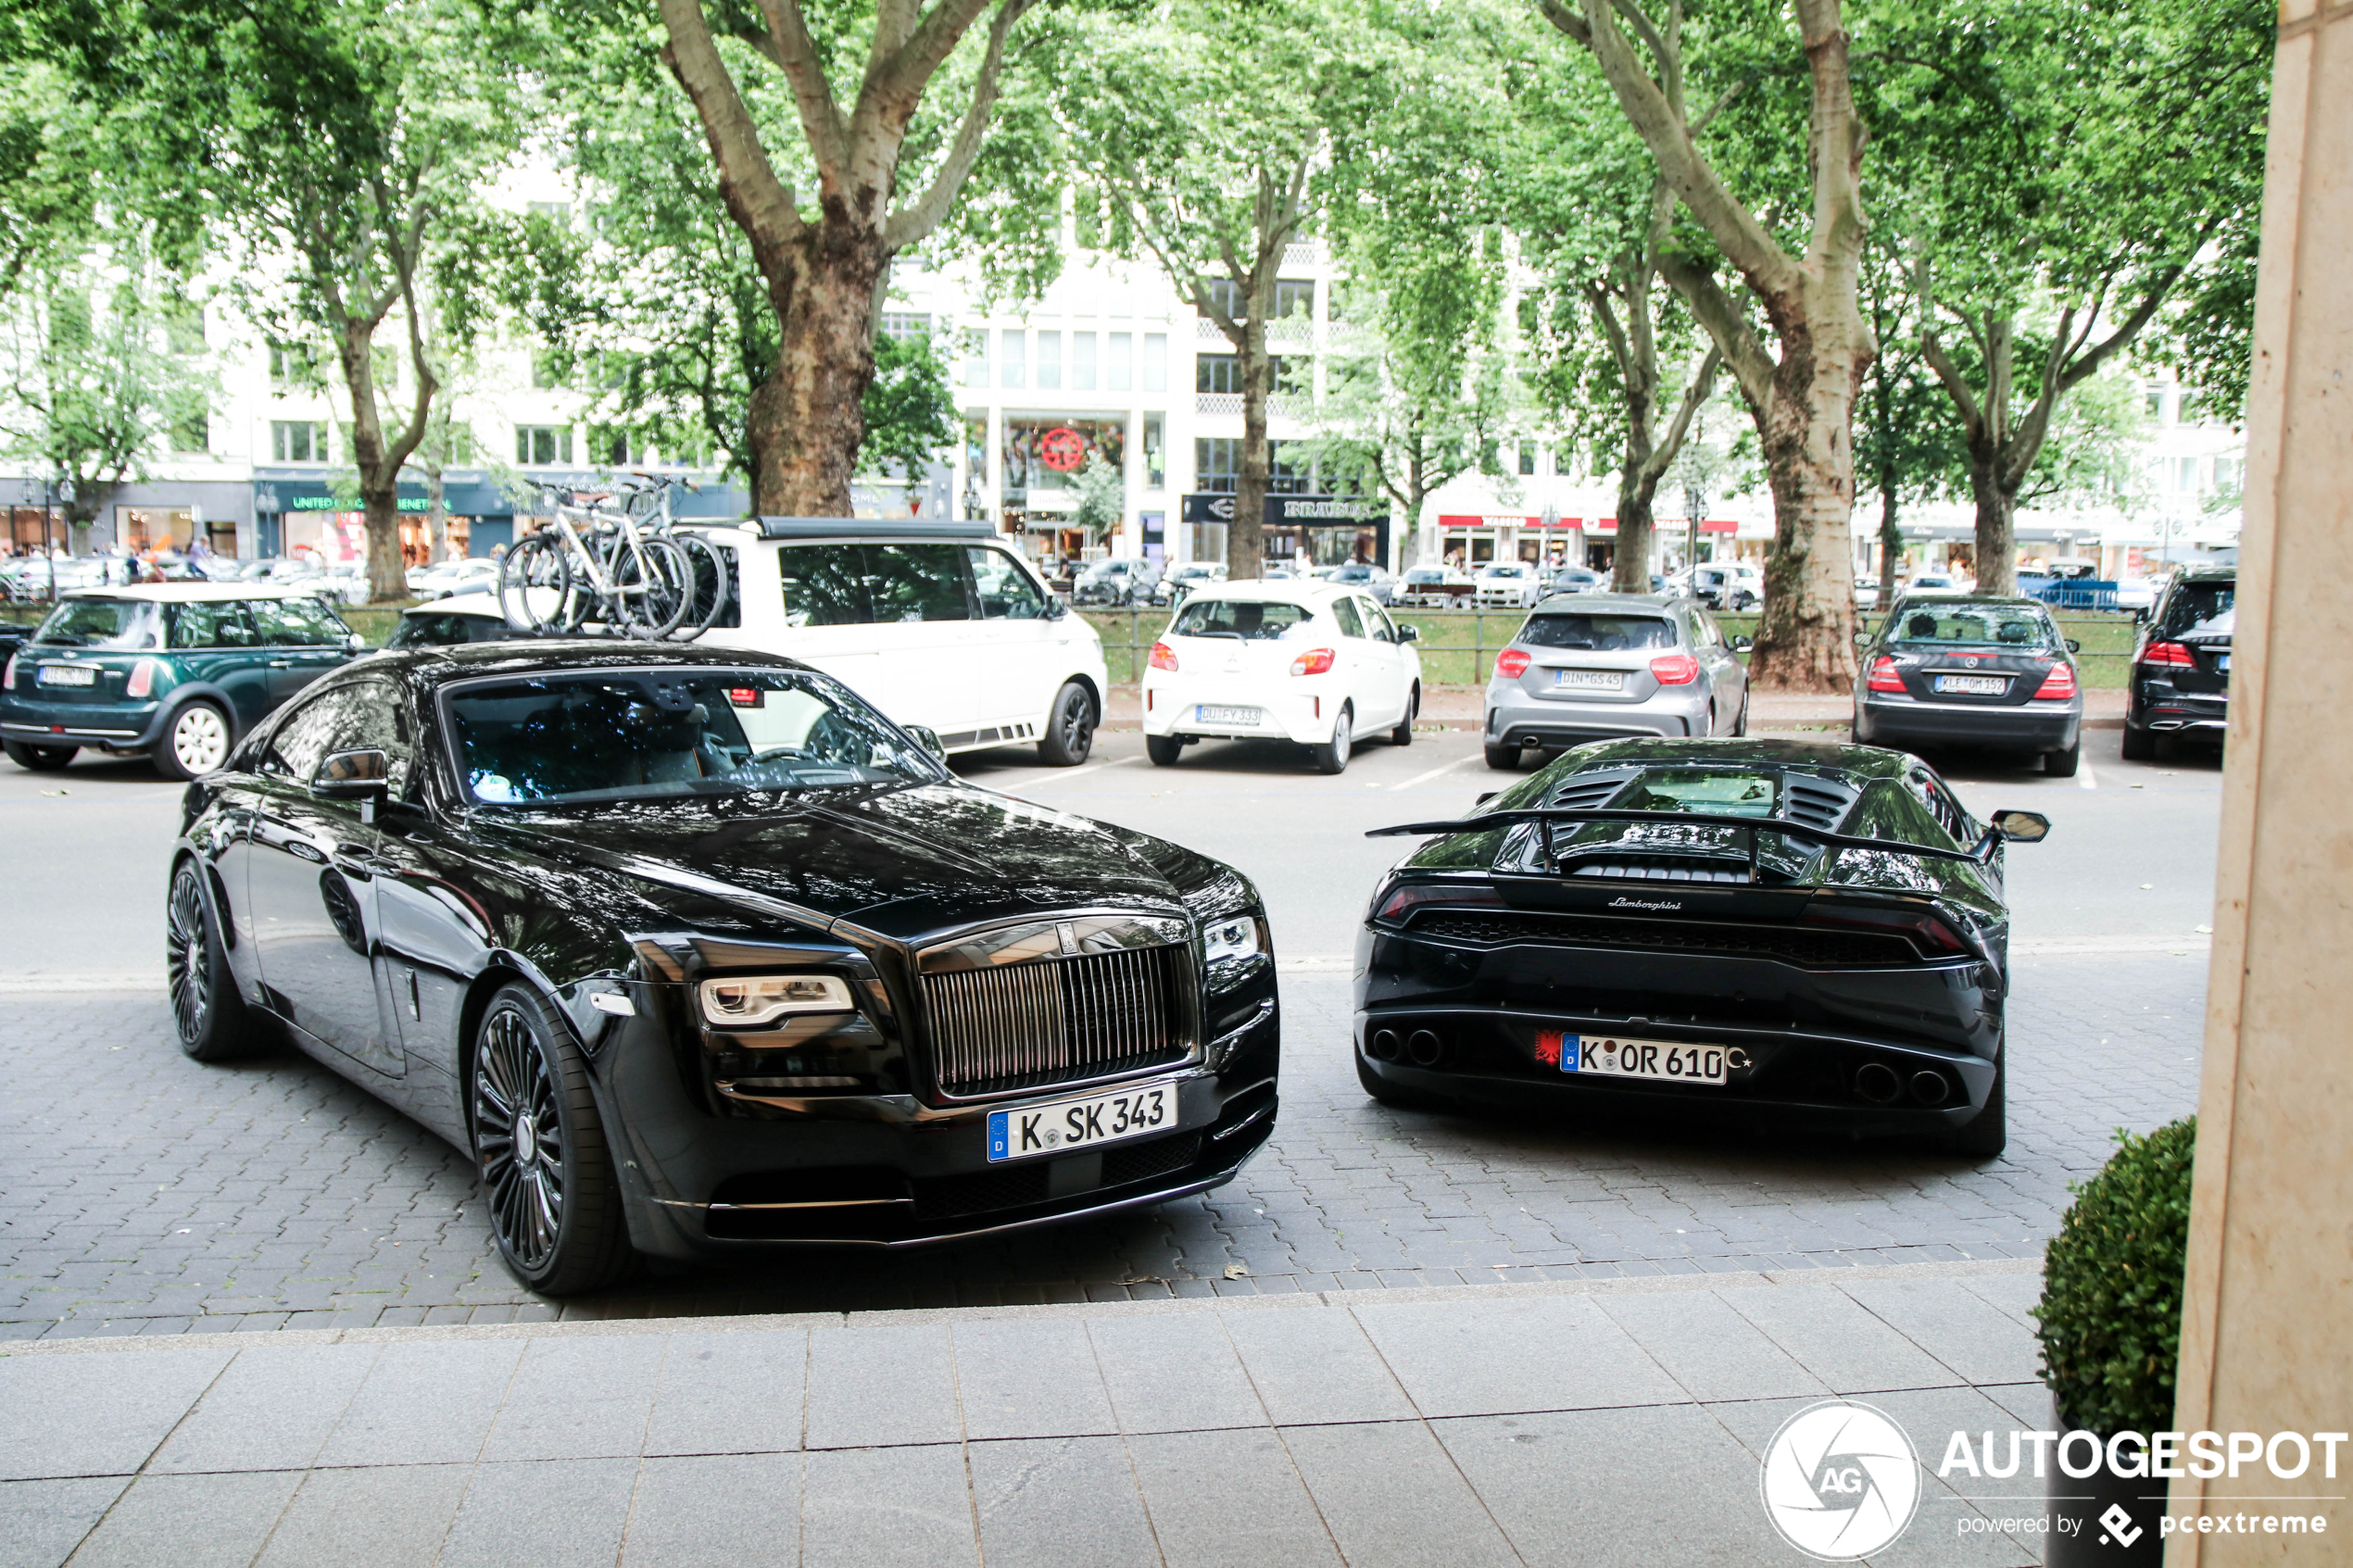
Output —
(1589, 666)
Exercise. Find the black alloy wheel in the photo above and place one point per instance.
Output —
(1403, 734)
(206, 1014)
(1070, 732)
(547, 1172)
(38, 758)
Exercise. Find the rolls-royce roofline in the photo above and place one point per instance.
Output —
(1487, 821)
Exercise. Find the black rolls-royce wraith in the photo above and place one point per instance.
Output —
(696, 952)
(1790, 933)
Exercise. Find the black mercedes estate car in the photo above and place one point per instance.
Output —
(2181, 683)
(695, 952)
(1797, 935)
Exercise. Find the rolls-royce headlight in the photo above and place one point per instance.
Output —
(747, 1001)
(1225, 939)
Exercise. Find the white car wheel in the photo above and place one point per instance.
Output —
(197, 743)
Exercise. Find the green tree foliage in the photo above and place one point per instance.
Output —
(2058, 176)
(910, 410)
(101, 373)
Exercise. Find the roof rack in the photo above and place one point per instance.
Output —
(868, 527)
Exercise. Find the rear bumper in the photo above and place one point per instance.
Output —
(2160, 706)
(1302, 713)
(2040, 726)
(1514, 718)
(126, 727)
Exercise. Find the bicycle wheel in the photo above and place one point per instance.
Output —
(652, 587)
(534, 585)
(707, 571)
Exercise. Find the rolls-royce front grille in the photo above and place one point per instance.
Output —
(1059, 1021)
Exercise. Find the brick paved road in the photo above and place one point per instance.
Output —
(142, 1194)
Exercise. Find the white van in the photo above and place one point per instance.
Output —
(940, 624)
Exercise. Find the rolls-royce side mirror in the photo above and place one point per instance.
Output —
(928, 738)
(2023, 827)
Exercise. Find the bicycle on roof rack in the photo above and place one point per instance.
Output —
(625, 569)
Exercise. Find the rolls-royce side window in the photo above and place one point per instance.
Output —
(356, 715)
(622, 735)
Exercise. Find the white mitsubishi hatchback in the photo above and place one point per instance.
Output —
(1313, 663)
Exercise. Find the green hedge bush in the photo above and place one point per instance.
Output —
(2111, 1308)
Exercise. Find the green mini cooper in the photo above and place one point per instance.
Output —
(177, 671)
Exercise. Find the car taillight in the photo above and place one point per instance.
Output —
(1674, 668)
(1511, 664)
(1164, 658)
(1884, 677)
(9, 681)
(1314, 661)
(1403, 899)
(2171, 654)
(143, 679)
(2060, 681)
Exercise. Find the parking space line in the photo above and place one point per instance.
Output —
(1448, 768)
(1060, 778)
(2085, 778)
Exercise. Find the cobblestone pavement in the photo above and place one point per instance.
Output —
(140, 1193)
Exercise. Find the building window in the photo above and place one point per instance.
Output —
(1118, 370)
(1217, 464)
(977, 357)
(291, 364)
(1049, 360)
(1528, 457)
(2153, 400)
(1294, 297)
(1155, 367)
(1012, 355)
(298, 441)
(1227, 296)
(1155, 452)
(1082, 361)
(1047, 455)
(1294, 375)
(1217, 373)
(900, 325)
(539, 445)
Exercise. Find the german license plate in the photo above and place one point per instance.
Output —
(1974, 685)
(68, 675)
(1589, 680)
(1081, 1124)
(1209, 715)
(1667, 1060)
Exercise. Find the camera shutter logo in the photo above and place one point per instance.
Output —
(1840, 1480)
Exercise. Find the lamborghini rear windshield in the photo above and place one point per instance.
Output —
(1711, 792)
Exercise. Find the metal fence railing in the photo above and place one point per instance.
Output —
(1457, 647)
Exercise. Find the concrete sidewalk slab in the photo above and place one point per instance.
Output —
(1588, 1421)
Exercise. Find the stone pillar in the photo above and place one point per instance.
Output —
(2267, 1329)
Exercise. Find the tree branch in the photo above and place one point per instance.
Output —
(1956, 384)
(913, 222)
(748, 182)
(1727, 325)
(1703, 383)
(796, 56)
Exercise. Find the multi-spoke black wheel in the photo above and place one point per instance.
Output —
(206, 1012)
(546, 1171)
(1070, 728)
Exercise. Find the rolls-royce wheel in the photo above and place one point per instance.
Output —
(206, 1012)
(548, 1175)
(1403, 734)
(1988, 1132)
(38, 758)
(1503, 759)
(196, 742)
(1070, 733)
(1164, 751)
(1332, 756)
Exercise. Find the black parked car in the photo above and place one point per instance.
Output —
(1805, 936)
(696, 952)
(2181, 672)
(1973, 669)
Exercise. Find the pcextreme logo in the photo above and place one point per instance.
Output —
(1840, 1480)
